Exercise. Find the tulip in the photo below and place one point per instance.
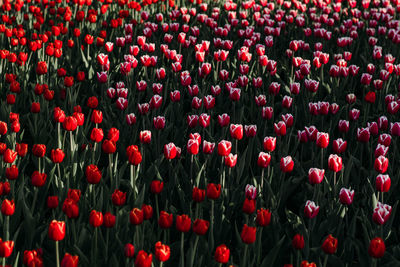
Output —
(346, 196)
(136, 216)
(7, 207)
(263, 218)
(381, 164)
(381, 213)
(165, 220)
(248, 234)
(70, 260)
(162, 251)
(129, 250)
(6, 248)
(222, 254)
(315, 176)
(383, 183)
(269, 143)
(298, 242)
(170, 151)
(224, 148)
(311, 209)
(286, 164)
(143, 259)
(96, 218)
(376, 248)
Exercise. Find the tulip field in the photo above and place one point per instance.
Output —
(195, 133)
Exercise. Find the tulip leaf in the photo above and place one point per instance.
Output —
(270, 259)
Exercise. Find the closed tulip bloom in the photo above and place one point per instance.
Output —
(97, 116)
(298, 242)
(70, 260)
(6, 248)
(108, 147)
(183, 223)
(280, 128)
(330, 245)
(335, 163)
(193, 146)
(57, 155)
(236, 131)
(230, 160)
(156, 186)
(213, 191)
(376, 248)
(39, 150)
(248, 234)
(315, 176)
(170, 151)
(263, 160)
(70, 123)
(134, 155)
(322, 140)
(129, 250)
(198, 195)
(224, 148)
(251, 191)
(363, 135)
(109, 220)
(9, 156)
(147, 211)
(222, 254)
(346, 196)
(208, 147)
(7, 207)
(56, 230)
(38, 179)
(70, 208)
(143, 259)
(22, 149)
(145, 137)
(339, 146)
(52, 202)
(381, 213)
(12, 172)
(162, 251)
(311, 209)
(263, 218)
(383, 183)
(118, 198)
(96, 218)
(33, 258)
(136, 216)
(381, 164)
(165, 220)
(200, 227)
(286, 164)
(96, 135)
(93, 174)
(269, 143)
(249, 206)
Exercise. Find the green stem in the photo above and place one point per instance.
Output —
(57, 255)
(212, 225)
(110, 161)
(133, 180)
(244, 260)
(194, 250)
(325, 260)
(35, 195)
(182, 250)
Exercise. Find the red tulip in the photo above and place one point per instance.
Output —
(381, 213)
(322, 139)
(213, 191)
(163, 252)
(56, 230)
(248, 234)
(70, 260)
(335, 163)
(170, 151)
(236, 131)
(346, 196)
(381, 164)
(377, 248)
(147, 211)
(12, 172)
(96, 218)
(263, 218)
(6, 248)
(156, 186)
(363, 135)
(108, 147)
(165, 220)
(143, 259)
(136, 216)
(183, 223)
(383, 183)
(118, 198)
(286, 164)
(249, 206)
(129, 250)
(134, 155)
(269, 143)
(198, 195)
(57, 155)
(315, 176)
(145, 137)
(9, 156)
(52, 202)
(231, 160)
(70, 123)
(264, 159)
(200, 227)
(222, 254)
(298, 242)
(311, 209)
(38, 179)
(93, 174)
(7, 207)
(330, 245)
(224, 148)
(280, 128)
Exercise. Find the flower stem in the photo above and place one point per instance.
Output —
(110, 159)
(325, 260)
(133, 180)
(212, 225)
(182, 250)
(244, 256)
(194, 250)
(57, 255)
